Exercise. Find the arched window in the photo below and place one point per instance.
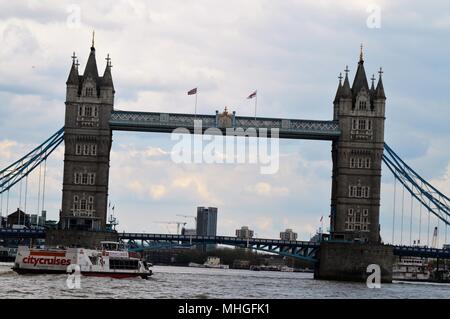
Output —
(362, 105)
(89, 91)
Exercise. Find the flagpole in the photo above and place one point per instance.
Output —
(256, 103)
(196, 93)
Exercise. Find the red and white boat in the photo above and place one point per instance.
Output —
(111, 261)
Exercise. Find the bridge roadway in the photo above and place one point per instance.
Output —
(167, 122)
(299, 249)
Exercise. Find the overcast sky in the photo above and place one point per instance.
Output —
(291, 51)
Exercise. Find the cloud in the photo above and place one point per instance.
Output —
(157, 191)
(265, 189)
(5, 149)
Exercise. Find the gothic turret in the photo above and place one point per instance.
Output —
(91, 65)
(107, 77)
(346, 92)
(360, 80)
(90, 84)
(73, 75)
(379, 93)
(338, 91)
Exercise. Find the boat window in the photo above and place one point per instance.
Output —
(123, 264)
(109, 246)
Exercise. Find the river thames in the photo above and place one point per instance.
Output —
(191, 283)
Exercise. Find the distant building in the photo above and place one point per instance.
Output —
(3, 221)
(34, 220)
(288, 234)
(244, 232)
(206, 221)
(188, 232)
(18, 218)
(206, 225)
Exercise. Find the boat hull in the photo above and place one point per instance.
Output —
(116, 275)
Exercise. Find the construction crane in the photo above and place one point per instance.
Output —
(189, 216)
(173, 223)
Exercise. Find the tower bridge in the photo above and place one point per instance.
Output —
(355, 132)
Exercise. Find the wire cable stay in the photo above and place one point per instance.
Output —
(21, 168)
(431, 198)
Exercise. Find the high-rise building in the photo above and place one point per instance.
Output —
(188, 232)
(206, 221)
(288, 234)
(244, 232)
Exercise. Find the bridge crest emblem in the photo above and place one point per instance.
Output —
(225, 119)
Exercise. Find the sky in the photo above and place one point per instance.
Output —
(290, 51)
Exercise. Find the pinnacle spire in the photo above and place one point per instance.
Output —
(339, 89)
(379, 93)
(361, 55)
(73, 75)
(91, 65)
(346, 92)
(360, 80)
(107, 77)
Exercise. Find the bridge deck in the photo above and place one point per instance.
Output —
(416, 251)
(167, 122)
(216, 240)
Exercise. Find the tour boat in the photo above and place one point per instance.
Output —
(111, 261)
(411, 269)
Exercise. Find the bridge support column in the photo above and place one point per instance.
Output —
(349, 261)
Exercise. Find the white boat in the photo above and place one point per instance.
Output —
(211, 262)
(111, 261)
(286, 269)
(411, 269)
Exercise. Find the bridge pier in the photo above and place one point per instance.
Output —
(349, 261)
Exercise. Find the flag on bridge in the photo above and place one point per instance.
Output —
(251, 96)
(194, 92)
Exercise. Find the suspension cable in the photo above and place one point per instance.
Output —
(438, 233)
(445, 232)
(420, 222)
(43, 187)
(410, 222)
(39, 189)
(393, 215)
(403, 208)
(20, 201)
(7, 203)
(26, 193)
(428, 239)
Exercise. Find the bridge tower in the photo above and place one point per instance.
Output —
(87, 138)
(357, 156)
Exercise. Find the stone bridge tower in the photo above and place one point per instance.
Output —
(89, 103)
(357, 155)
